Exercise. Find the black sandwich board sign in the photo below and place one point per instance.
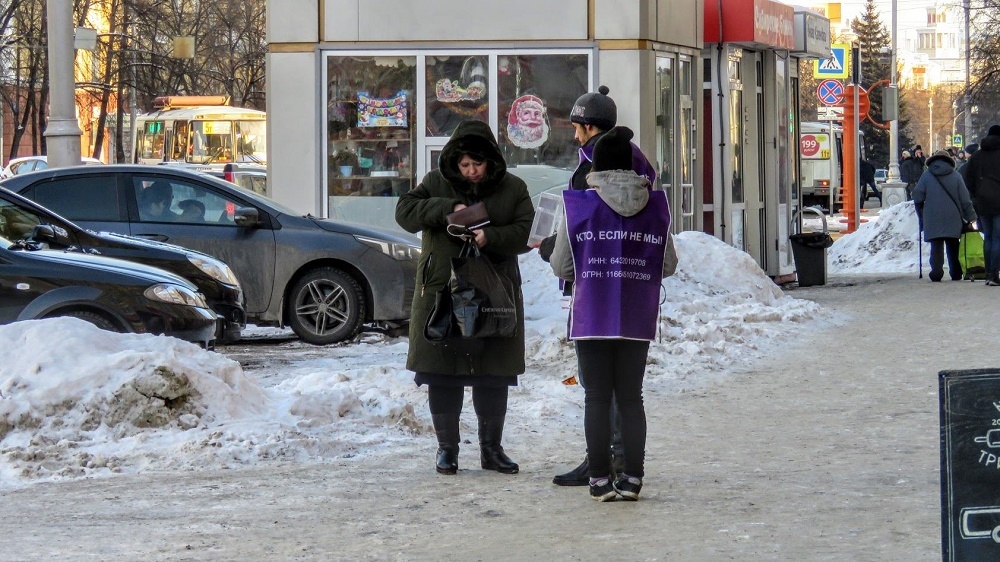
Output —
(970, 464)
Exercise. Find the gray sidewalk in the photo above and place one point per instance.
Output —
(826, 450)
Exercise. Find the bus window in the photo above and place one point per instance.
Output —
(211, 141)
(251, 141)
(180, 145)
(150, 141)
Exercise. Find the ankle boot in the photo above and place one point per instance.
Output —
(446, 427)
(491, 453)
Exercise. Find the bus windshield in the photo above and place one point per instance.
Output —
(251, 141)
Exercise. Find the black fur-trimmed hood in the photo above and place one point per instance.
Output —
(473, 137)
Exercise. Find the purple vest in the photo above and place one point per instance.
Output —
(618, 265)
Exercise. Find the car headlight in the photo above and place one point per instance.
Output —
(215, 269)
(395, 250)
(175, 294)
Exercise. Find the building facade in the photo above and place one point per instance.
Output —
(362, 95)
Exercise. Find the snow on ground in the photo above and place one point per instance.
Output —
(80, 402)
(888, 243)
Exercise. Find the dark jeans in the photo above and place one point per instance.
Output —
(612, 371)
(990, 227)
(487, 400)
(938, 247)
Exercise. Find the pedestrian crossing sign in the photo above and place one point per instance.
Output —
(837, 66)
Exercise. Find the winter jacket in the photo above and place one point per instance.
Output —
(910, 170)
(624, 191)
(982, 177)
(424, 209)
(939, 216)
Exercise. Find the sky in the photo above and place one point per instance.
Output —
(99, 404)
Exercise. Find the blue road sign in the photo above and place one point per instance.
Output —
(836, 67)
(830, 92)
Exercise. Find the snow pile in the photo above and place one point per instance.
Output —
(886, 245)
(100, 403)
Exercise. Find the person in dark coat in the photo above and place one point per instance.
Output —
(615, 308)
(910, 170)
(982, 177)
(471, 169)
(943, 207)
(867, 173)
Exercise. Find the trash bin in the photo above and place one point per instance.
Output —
(809, 252)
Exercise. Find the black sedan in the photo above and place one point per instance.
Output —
(214, 279)
(112, 294)
(323, 278)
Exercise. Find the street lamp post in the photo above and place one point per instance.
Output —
(62, 132)
(930, 125)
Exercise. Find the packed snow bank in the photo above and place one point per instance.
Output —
(886, 245)
(79, 401)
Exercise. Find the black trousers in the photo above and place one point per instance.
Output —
(612, 370)
(487, 400)
(938, 248)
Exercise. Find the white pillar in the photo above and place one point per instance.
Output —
(62, 133)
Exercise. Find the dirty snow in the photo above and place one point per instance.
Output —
(80, 402)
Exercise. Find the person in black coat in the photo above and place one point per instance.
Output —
(867, 171)
(982, 177)
(910, 170)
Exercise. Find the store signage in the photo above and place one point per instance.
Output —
(382, 112)
(969, 404)
(760, 23)
(812, 34)
(814, 146)
(837, 66)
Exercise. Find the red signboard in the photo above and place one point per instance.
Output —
(808, 145)
(760, 22)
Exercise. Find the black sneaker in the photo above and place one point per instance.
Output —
(627, 486)
(579, 476)
(601, 489)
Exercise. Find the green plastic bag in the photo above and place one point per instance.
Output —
(970, 255)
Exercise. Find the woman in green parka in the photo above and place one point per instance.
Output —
(471, 169)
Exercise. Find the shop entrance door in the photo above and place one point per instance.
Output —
(737, 142)
(757, 156)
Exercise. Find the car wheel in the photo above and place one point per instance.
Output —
(327, 306)
(94, 318)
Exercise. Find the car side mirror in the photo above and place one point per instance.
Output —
(44, 233)
(246, 217)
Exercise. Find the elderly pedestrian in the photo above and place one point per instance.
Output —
(943, 208)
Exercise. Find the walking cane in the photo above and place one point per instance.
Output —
(920, 256)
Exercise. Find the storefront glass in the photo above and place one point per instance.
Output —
(457, 88)
(665, 125)
(370, 126)
(379, 140)
(687, 140)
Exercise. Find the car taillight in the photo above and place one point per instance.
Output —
(824, 183)
(228, 175)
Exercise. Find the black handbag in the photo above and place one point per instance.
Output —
(478, 301)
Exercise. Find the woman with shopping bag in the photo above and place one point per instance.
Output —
(471, 170)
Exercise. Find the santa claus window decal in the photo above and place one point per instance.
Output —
(536, 93)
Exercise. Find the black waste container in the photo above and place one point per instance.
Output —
(809, 252)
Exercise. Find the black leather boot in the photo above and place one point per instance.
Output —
(446, 427)
(579, 476)
(491, 453)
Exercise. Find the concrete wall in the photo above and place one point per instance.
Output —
(293, 133)
(292, 21)
(678, 22)
(464, 20)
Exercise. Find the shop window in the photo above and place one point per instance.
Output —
(370, 127)
(535, 96)
(457, 89)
